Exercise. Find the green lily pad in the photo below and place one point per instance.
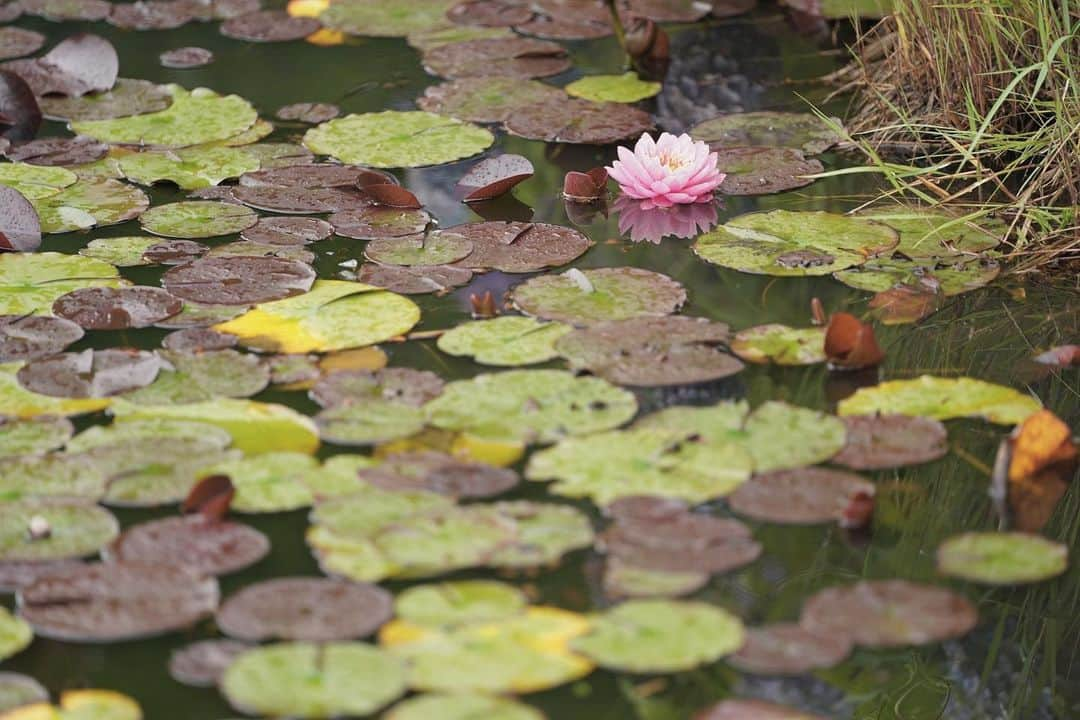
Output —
(462, 706)
(18, 402)
(459, 603)
(943, 399)
(646, 461)
(533, 405)
(948, 276)
(443, 541)
(194, 117)
(17, 690)
(31, 282)
(592, 296)
(932, 234)
(90, 203)
(625, 88)
(124, 251)
(338, 476)
(661, 636)
(437, 248)
(255, 427)
(448, 33)
(198, 219)
(15, 634)
(380, 19)
(304, 680)
(486, 99)
(126, 98)
(333, 315)
(622, 580)
(397, 139)
(188, 168)
(34, 436)
(506, 341)
(35, 181)
(56, 475)
(801, 131)
(544, 532)
(203, 376)
(780, 344)
(365, 512)
(847, 9)
(994, 558)
(369, 422)
(77, 529)
(150, 430)
(270, 482)
(795, 244)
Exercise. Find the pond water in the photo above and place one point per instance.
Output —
(1020, 662)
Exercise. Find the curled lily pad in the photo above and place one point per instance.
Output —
(288, 231)
(77, 529)
(992, 558)
(270, 482)
(461, 706)
(371, 17)
(19, 106)
(660, 636)
(20, 229)
(34, 436)
(593, 296)
(788, 649)
(191, 377)
(186, 57)
(808, 495)
(506, 341)
(16, 401)
(34, 181)
(439, 473)
(103, 308)
(780, 344)
(305, 680)
(520, 247)
(788, 243)
(110, 602)
(625, 88)
(207, 547)
(876, 442)
(801, 131)
(188, 168)
(15, 634)
(387, 224)
(533, 405)
(28, 337)
(201, 664)
(515, 57)
(397, 139)
(18, 690)
(126, 98)
(889, 613)
(457, 603)
(197, 219)
(195, 117)
(494, 176)
(574, 120)
(486, 99)
(752, 710)
(416, 280)
(79, 64)
(269, 26)
(764, 170)
(942, 399)
(90, 373)
(240, 280)
(334, 315)
(58, 151)
(310, 609)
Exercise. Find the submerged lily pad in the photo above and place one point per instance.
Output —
(397, 139)
(532, 405)
(515, 57)
(34, 436)
(126, 98)
(188, 168)
(207, 547)
(462, 706)
(77, 529)
(660, 636)
(379, 19)
(780, 344)
(28, 337)
(876, 442)
(486, 99)
(804, 496)
(943, 399)
(801, 131)
(788, 649)
(790, 243)
(996, 558)
(578, 121)
(506, 341)
(592, 296)
(625, 88)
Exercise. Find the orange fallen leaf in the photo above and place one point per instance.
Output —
(1034, 468)
(850, 343)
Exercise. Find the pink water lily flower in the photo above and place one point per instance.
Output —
(670, 171)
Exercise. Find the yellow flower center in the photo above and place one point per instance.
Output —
(672, 162)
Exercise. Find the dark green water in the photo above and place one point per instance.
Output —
(1022, 660)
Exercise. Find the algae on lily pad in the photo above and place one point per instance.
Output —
(625, 88)
(15, 634)
(780, 344)
(660, 636)
(948, 276)
(1002, 558)
(201, 376)
(333, 315)
(934, 234)
(505, 341)
(57, 475)
(532, 405)
(34, 182)
(33, 436)
(943, 399)
(462, 706)
(90, 203)
(194, 117)
(381, 19)
(392, 139)
(76, 530)
(31, 282)
(592, 296)
(790, 243)
(801, 131)
(189, 168)
(197, 219)
(369, 422)
(270, 482)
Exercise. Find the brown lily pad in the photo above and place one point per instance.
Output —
(568, 20)
(495, 176)
(115, 602)
(489, 13)
(486, 99)
(20, 228)
(574, 120)
(198, 340)
(651, 351)
(90, 373)
(517, 247)
(802, 496)
(201, 545)
(416, 280)
(379, 223)
(20, 116)
(317, 175)
(645, 508)
(392, 196)
(184, 58)
(764, 170)
(288, 231)
(269, 26)
(104, 308)
(242, 248)
(585, 187)
(238, 280)
(151, 15)
(719, 555)
(439, 473)
(312, 113)
(28, 337)
(732, 8)
(672, 11)
(879, 442)
(308, 609)
(67, 10)
(58, 151)
(127, 97)
(17, 42)
(15, 574)
(513, 57)
(399, 385)
(299, 200)
(80, 64)
(789, 649)
(752, 710)
(174, 252)
(201, 664)
(889, 613)
(801, 131)
(10, 11)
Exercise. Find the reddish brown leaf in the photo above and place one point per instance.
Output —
(905, 304)
(210, 498)
(858, 512)
(483, 306)
(585, 187)
(393, 196)
(850, 343)
(495, 176)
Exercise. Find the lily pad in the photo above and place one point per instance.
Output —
(764, 170)
(79, 64)
(593, 296)
(686, 543)
(197, 219)
(486, 99)
(623, 580)
(188, 168)
(928, 234)
(506, 341)
(319, 175)
(15, 634)
(312, 113)
(462, 706)
(446, 33)
(804, 496)
(34, 436)
(207, 547)
(18, 690)
(201, 664)
(90, 373)
(90, 203)
(151, 15)
(201, 315)
(493, 177)
(125, 251)
(439, 473)
(98, 704)
(661, 636)
(103, 308)
(35, 181)
(31, 283)
(417, 280)
(191, 377)
(287, 231)
(28, 337)
(397, 139)
(544, 533)
(17, 42)
(795, 244)
(398, 385)
(305, 680)
(51, 476)
(184, 58)
(20, 107)
(942, 399)
(390, 224)
(461, 602)
(780, 344)
(378, 19)
(994, 558)
(299, 200)
(800, 131)
(515, 57)
(533, 405)
(889, 613)
(77, 529)
(625, 88)
(270, 482)
(878, 442)
(58, 151)
(20, 229)
(334, 315)
(952, 275)
(18, 402)
(578, 121)
(520, 247)
(788, 649)
(752, 710)
(269, 26)
(195, 117)
(239, 280)
(126, 98)
(369, 423)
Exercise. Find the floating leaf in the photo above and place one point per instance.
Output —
(494, 176)
(877, 442)
(520, 247)
(76, 530)
(201, 664)
(15, 634)
(17, 42)
(752, 710)
(850, 343)
(625, 88)
(926, 234)
(622, 580)
(573, 120)
(312, 113)
(197, 219)
(184, 58)
(96, 704)
(375, 18)
(764, 170)
(102, 308)
(462, 706)
(516, 57)
(28, 337)
(188, 168)
(416, 280)
(437, 248)
(942, 399)
(270, 482)
(801, 131)
(592, 296)
(948, 276)
(461, 602)
(33, 437)
(90, 203)
(788, 649)
(439, 473)
(995, 558)
(19, 106)
(288, 231)
(205, 546)
(269, 26)
(202, 376)
(18, 690)
(805, 496)
(126, 98)
(486, 99)
(504, 341)
(18, 402)
(780, 344)
(20, 229)
(35, 181)
(369, 423)
(446, 33)
(90, 373)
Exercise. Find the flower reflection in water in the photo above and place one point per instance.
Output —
(655, 224)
